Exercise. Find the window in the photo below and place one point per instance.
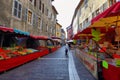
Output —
(34, 2)
(17, 9)
(29, 17)
(40, 5)
(42, 8)
(46, 27)
(80, 25)
(51, 30)
(97, 11)
(86, 20)
(104, 6)
(47, 12)
(39, 22)
(85, 3)
(34, 20)
(93, 15)
(25, 14)
(31, 0)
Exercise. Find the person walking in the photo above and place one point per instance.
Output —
(66, 50)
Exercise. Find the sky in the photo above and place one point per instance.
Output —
(65, 9)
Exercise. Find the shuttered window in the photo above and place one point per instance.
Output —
(17, 9)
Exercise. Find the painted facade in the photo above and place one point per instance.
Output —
(58, 30)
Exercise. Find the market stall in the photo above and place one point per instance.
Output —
(57, 42)
(17, 48)
(105, 49)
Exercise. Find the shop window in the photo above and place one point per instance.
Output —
(17, 9)
(29, 17)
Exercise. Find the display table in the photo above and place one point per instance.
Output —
(19, 60)
(112, 73)
(89, 61)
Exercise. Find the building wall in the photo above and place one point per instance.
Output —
(38, 16)
(58, 30)
(69, 32)
(86, 11)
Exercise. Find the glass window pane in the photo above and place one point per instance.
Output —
(19, 14)
(20, 7)
(15, 4)
(15, 12)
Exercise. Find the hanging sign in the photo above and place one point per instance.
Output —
(96, 34)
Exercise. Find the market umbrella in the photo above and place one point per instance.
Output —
(108, 18)
(87, 33)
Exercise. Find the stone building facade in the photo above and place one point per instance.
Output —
(35, 16)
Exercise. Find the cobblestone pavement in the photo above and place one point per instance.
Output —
(50, 67)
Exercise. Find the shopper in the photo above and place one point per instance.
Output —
(66, 51)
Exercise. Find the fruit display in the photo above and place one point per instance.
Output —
(9, 52)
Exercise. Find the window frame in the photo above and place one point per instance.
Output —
(17, 10)
(31, 17)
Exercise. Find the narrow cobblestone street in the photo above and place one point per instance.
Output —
(55, 66)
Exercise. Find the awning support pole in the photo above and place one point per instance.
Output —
(2, 39)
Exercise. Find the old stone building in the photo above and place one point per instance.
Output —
(35, 16)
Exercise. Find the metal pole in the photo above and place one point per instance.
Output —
(2, 39)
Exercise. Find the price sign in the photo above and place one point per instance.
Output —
(105, 64)
(118, 62)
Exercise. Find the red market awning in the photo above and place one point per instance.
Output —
(107, 18)
(6, 29)
(39, 37)
(87, 33)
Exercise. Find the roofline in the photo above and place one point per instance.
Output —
(76, 10)
(54, 9)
